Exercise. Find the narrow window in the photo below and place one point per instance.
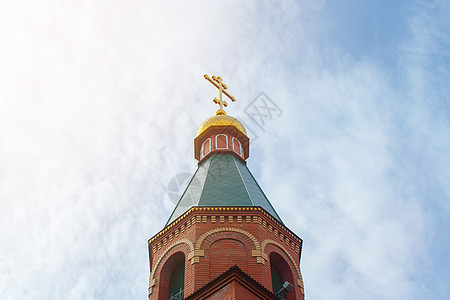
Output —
(221, 141)
(176, 283)
(206, 147)
(237, 146)
(277, 280)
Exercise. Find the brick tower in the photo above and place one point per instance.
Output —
(224, 240)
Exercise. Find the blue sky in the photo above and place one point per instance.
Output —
(100, 102)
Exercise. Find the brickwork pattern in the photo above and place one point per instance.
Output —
(198, 231)
(233, 290)
(225, 253)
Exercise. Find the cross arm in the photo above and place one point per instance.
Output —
(217, 86)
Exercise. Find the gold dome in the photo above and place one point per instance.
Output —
(221, 120)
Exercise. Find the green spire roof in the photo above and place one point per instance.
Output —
(222, 180)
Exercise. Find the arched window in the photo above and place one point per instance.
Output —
(221, 141)
(281, 272)
(277, 280)
(176, 283)
(172, 273)
(237, 146)
(206, 147)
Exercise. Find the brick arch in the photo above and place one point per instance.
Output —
(178, 246)
(200, 240)
(285, 252)
(281, 270)
(165, 273)
(230, 235)
(251, 242)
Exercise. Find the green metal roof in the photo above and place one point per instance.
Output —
(222, 180)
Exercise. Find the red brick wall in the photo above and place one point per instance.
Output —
(226, 292)
(240, 292)
(224, 254)
(233, 291)
(235, 232)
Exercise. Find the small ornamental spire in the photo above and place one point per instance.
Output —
(217, 82)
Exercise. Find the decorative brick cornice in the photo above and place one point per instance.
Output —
(217, 215)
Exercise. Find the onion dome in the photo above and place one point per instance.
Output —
(221, 120)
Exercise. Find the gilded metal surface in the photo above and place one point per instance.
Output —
(221, 120)
(217, 82)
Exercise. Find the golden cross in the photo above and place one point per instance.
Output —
(217, 82)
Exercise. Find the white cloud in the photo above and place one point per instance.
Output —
(99, 104)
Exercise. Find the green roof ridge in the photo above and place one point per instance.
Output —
(246, 189)
(222, 180)
(260, 189)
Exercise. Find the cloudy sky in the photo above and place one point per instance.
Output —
(100, 102)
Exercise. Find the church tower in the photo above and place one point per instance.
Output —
(224, 239)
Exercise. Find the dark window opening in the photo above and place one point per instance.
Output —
(281, 272)
(277, 280)
(176, 283)
(171, 279)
